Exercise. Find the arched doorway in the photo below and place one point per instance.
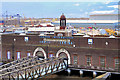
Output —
(63, 53)
(40, 52)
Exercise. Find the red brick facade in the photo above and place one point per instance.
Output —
(77, 46)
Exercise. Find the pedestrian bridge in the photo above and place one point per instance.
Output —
(32, 68)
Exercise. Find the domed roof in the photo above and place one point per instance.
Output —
(62, 16)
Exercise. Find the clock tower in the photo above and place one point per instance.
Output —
(62, 22)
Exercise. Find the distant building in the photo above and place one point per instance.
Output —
(104, 17)
(96, 20)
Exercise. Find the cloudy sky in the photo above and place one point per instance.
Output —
(55, 9)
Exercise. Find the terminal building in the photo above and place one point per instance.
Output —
(97, 53)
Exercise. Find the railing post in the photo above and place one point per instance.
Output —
(67, 62)
(25, 75)
(18, 75)
(51, 68)
(9, 76)
(46, 69)
(39, 71)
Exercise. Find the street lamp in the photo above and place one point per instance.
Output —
(74, 46)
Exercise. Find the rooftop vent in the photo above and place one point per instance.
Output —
(22, 34)
(111, 36)
(86, 35)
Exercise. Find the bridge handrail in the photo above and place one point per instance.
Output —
(18, 64)
(11, 63)
(14, 66)
(29, 67)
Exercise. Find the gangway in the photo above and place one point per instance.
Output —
(35, 69)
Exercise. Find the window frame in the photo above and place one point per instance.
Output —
(17, 54)
(90, 60)
(76, 59)
(104, 61)
(118, 62)
(8, 55)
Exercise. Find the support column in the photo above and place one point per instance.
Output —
(69, 72)
(94, 74)
(81, 73)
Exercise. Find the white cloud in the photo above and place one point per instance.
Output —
(59, 0)
(89, 5)
(86, 13)
(100, 6)
(81, 10)
(102, 12)
(114, 6)
(107, 2)
(77, 4)
(92, 9)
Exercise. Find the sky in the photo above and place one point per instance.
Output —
(55, 9)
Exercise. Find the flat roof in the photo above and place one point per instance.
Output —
(104, 14)
(58, 36)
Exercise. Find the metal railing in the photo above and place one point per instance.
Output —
(36, 69)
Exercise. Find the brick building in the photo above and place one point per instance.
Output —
(85, 52)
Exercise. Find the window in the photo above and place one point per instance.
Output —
(50, 55)
(26, 39)
(90, 41)
(75, 59)
(117, 63)
(68, 42)
(60, 34)
(28, 54)
(8, 54)
(102, 61)
(64, 42)
(88, 60)
(18, 55)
